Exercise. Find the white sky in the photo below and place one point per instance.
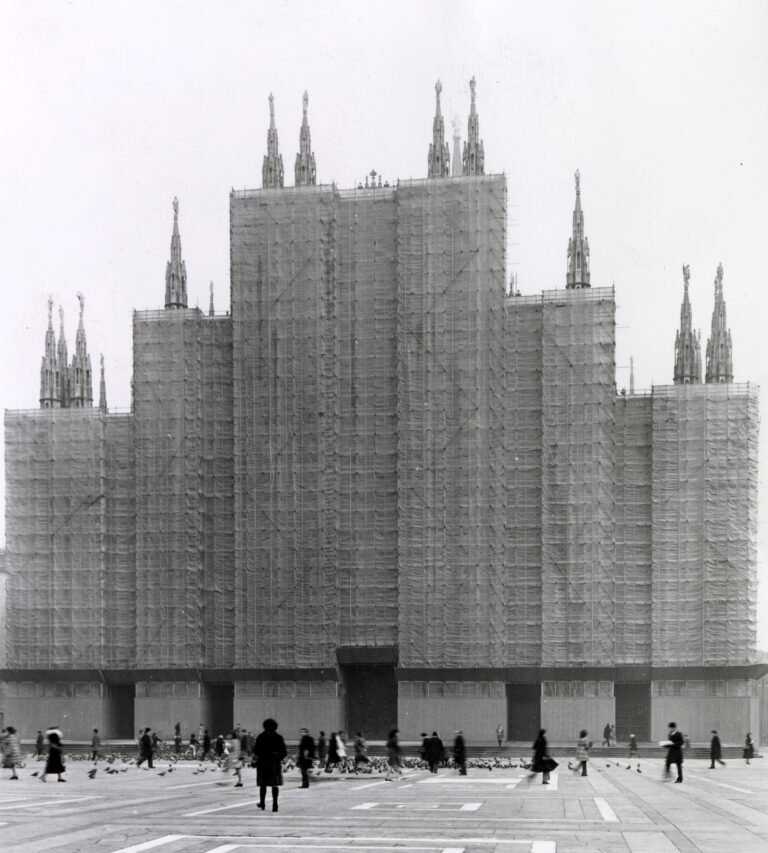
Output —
(111, 109)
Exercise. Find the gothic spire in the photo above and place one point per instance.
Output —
(62, 360)
(80, 372)
(175, 270)
(272, 168)
(305, 175)
(474, 153)
(438, 163)
(578, 246)
(719, 353)
(687, 342)
(456, 165)
(102, 388)
(49, 372)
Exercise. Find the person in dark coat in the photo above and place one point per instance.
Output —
(434, 752)
(715, 751)
(219, 746)
(306, 756)
(674, 745)
(542, 763)
(269, 751)
(145, 749)
(322, 750)
(39, 746)
(54, 762)
(749, 748)
(333, 753)
(424, 742)
(634, 752)
(460, 753)
(606, 735)
(206, 745)
(394, 755)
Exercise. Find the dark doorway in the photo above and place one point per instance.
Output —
(523, 711)
(220, 700)
(118, 716)
(371, 700)
(633, 710)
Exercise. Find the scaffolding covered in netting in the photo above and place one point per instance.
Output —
(287, 467)
(578, 388)
(66, 504)
(450, 380)
(182, 395)
(704, 524)
(522, 441)
(633, 552)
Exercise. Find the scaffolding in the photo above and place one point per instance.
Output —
(578, 364)
(704, 524)
(450, 387)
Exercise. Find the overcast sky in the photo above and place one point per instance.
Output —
(110, 109)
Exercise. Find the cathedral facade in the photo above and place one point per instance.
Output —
(385, 490)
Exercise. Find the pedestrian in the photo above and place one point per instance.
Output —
(542, 763)
(306, 757)
(612, 735)
(674, 745)
(11, 751)
(233, 758)
(156, 743)
(95, 745)
(193, 744)
(360, 751)
(341, 749)
(269, 751)
(606, 735)
(434, 750)
(145, 749)
(749, 748)
(177, 743)
(633, 750)
(333, 753)
(219, 747)
(460, 752)
(177, 729)
(423, 751)
(394, 755)
(499, 734)
(206, 744)
(583, 745)
(55, 762)
(322, 751)
(200, 732)
(39, 746)
(715, 751)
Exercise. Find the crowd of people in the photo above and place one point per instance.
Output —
(267, 753)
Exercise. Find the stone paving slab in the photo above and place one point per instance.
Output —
(186, 810)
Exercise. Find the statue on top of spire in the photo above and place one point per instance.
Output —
(719, 346)
(687, 342)
(304, 170)
(578, 273)
(439, 157)
(474, 152)
(272, 166)
(175, 270)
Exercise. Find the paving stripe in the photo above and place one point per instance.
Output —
(150, 845)
(721, 784)
(605, 810)
(258, 841)
(190, 785)
(222, 808)
(49, 802)
(368, 785)
(649, 842)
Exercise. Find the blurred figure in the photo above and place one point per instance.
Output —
(269, 751)
(499, 734)
(633, 750)
(11, 749)
(394, 755)
(715, 751)
(749, 748)
(306, 756)
(460, 752)
(583, 745)
(54, 762)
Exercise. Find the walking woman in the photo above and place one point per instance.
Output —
(333, 753)
(394, 756)
(269, 751)
(542, 763)
(582, 753)
(54, 762)
(11, 751)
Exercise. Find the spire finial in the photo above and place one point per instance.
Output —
(272, 165)
(175, 270)
(81, 300)
(50, 311)
(306, 102)
(686, 275)
(687, 342)
(474, 153)
(210, 305)
(719, 346)
(61, 318)
(176, 208)
(271, 110)
(577, 175)
(439, 157)
(305, 172)
(578, 274)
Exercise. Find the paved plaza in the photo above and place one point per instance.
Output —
(614, 809)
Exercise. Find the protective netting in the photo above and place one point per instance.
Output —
(60, 593)
(183, 446)
(633, 529)
(522, 437)
(578, 339)
(704, 524)
(287, 370)
(451, 241)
